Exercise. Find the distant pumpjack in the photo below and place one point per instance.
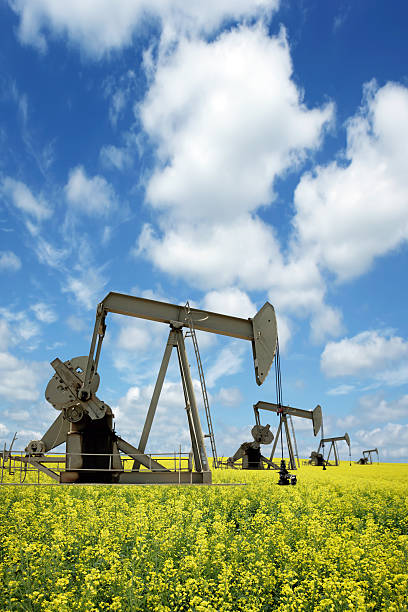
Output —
(316, 458)
(250, 452)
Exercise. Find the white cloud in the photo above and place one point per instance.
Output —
(5, 335)
(44, 312)
(326, 321)
(221, 143)
(92, 196)
(134, 335)
(348, 421)
(17, 415)
(228, 361)
(346, 214)
(369, 353)
(226, 131)
(391, 440)
(212, 256)
(349, 213)
(115, 157)
(48, 254)
(9, 261)
(228, 396)
(98, 26)
(397, 375)
(375, 409)
(341, 390)
(16, 327)
(170, 426)
(118, 103)
(76, 323)
(20, 380)
(21, 197)
(87, 286)
(230, 301)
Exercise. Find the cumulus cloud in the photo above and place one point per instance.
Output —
(230, 301)
(98, 26)
(170, 425)
(9, 261)
(346, 214)
(223, 135)
(370, 353)
(135, 335)
(391, 440)
(226, 131)
(20, 380)
(212, 256)
(228, 396)
(18, 194)
(92, 196)
(350, 420)
(349, 213)
(376, 409)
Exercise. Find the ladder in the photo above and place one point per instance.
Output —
(193, 336)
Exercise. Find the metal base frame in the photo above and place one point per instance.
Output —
(136, 477)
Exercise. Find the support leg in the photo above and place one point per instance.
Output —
(329, 453)
(201, 460)
(172, 341)
(275, 441)
(193, 437)
(336, 455)
(292, 462)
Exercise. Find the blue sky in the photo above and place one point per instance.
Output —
(226, 153)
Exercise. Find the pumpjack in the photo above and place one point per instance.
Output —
(250, 453)
(317, 458)
(367, 457)
(85, 422)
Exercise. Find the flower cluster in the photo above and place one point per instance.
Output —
(336, 541)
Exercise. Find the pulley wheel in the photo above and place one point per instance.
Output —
(35, 447)
(73, 414)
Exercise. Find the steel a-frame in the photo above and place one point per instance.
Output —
(333, 447)
(85, 422)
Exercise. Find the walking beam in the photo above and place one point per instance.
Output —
(315, 415)
(261, 330)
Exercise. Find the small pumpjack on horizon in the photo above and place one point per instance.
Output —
(367, 458)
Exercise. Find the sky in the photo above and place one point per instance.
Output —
(225, 153)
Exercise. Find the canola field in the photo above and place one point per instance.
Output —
(336, 541)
